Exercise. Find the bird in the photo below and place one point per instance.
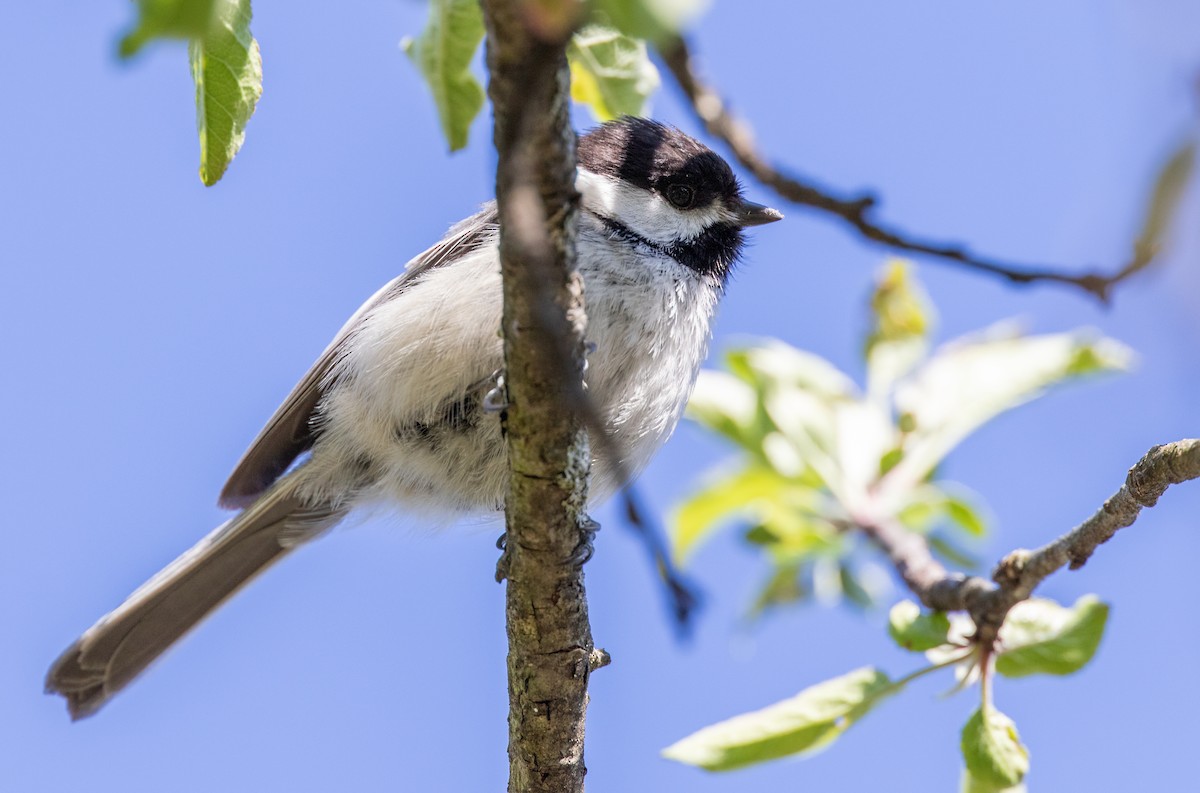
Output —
(396, 409)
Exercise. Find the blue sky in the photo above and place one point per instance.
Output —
(152, 325)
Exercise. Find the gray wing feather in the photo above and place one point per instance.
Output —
(290, 432)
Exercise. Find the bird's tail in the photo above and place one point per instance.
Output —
(125, 641)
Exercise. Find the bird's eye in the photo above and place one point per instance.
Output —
(681, 195)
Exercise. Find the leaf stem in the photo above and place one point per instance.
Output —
(985, 679)
(911, 676)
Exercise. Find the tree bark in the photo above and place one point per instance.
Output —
(550, 643)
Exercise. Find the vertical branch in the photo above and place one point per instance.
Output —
(550, 643)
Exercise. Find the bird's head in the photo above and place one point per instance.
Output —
(656, 185)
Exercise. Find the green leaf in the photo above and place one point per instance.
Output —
(611, 73)
(696, 518)
(1164, 201)
(811, 720)
(654, 20)
(169, 19)
(972, 380)
(973, 784)
(443, 52)
(915, 631)
(992, 749)
(227, 70)
(1041, 637)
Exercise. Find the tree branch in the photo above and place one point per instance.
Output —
(550, 644)
(1019, 573)
(711, 109)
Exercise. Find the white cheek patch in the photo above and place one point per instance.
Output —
(645, 212)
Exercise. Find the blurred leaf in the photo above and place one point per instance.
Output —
(1041, 637)
(761, 535)
(796, 530)
(826, 580)
(972, 380)
(777, 387)
(785, 585)
(443, 52)
(783, 455)
(898, 340)
(808, 424)
(833, 435)
(1164, 201)
(611, 73)
(726, 405)
(952, 553)
(923, 508)
(964, 514)
(915, 631)
(853, 588)
(697, 517)
(808, 721)
(863, 435)
(928, 504)
(900, 305)
(972, 784)
(774, 362)
(992, 749)
(170, 19)
(227, 70)
(654, 20)
(891, 458)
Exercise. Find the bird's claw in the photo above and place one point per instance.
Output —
(580, 556)
(584, 550)
(502, 562)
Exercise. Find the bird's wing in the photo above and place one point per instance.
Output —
(290, 432)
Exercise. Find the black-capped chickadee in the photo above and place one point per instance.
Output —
(393, 410)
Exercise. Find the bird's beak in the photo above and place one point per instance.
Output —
(752, 214)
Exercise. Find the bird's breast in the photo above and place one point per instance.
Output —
(649, 319)
(404, 418)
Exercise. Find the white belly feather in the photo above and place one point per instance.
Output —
(404, 411)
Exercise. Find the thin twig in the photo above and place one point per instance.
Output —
(711, 109)
(683, 597)
(1019, 573)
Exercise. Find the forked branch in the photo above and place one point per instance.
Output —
(1019, 573)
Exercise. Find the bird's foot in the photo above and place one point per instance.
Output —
(502, 562)
(584, 550)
